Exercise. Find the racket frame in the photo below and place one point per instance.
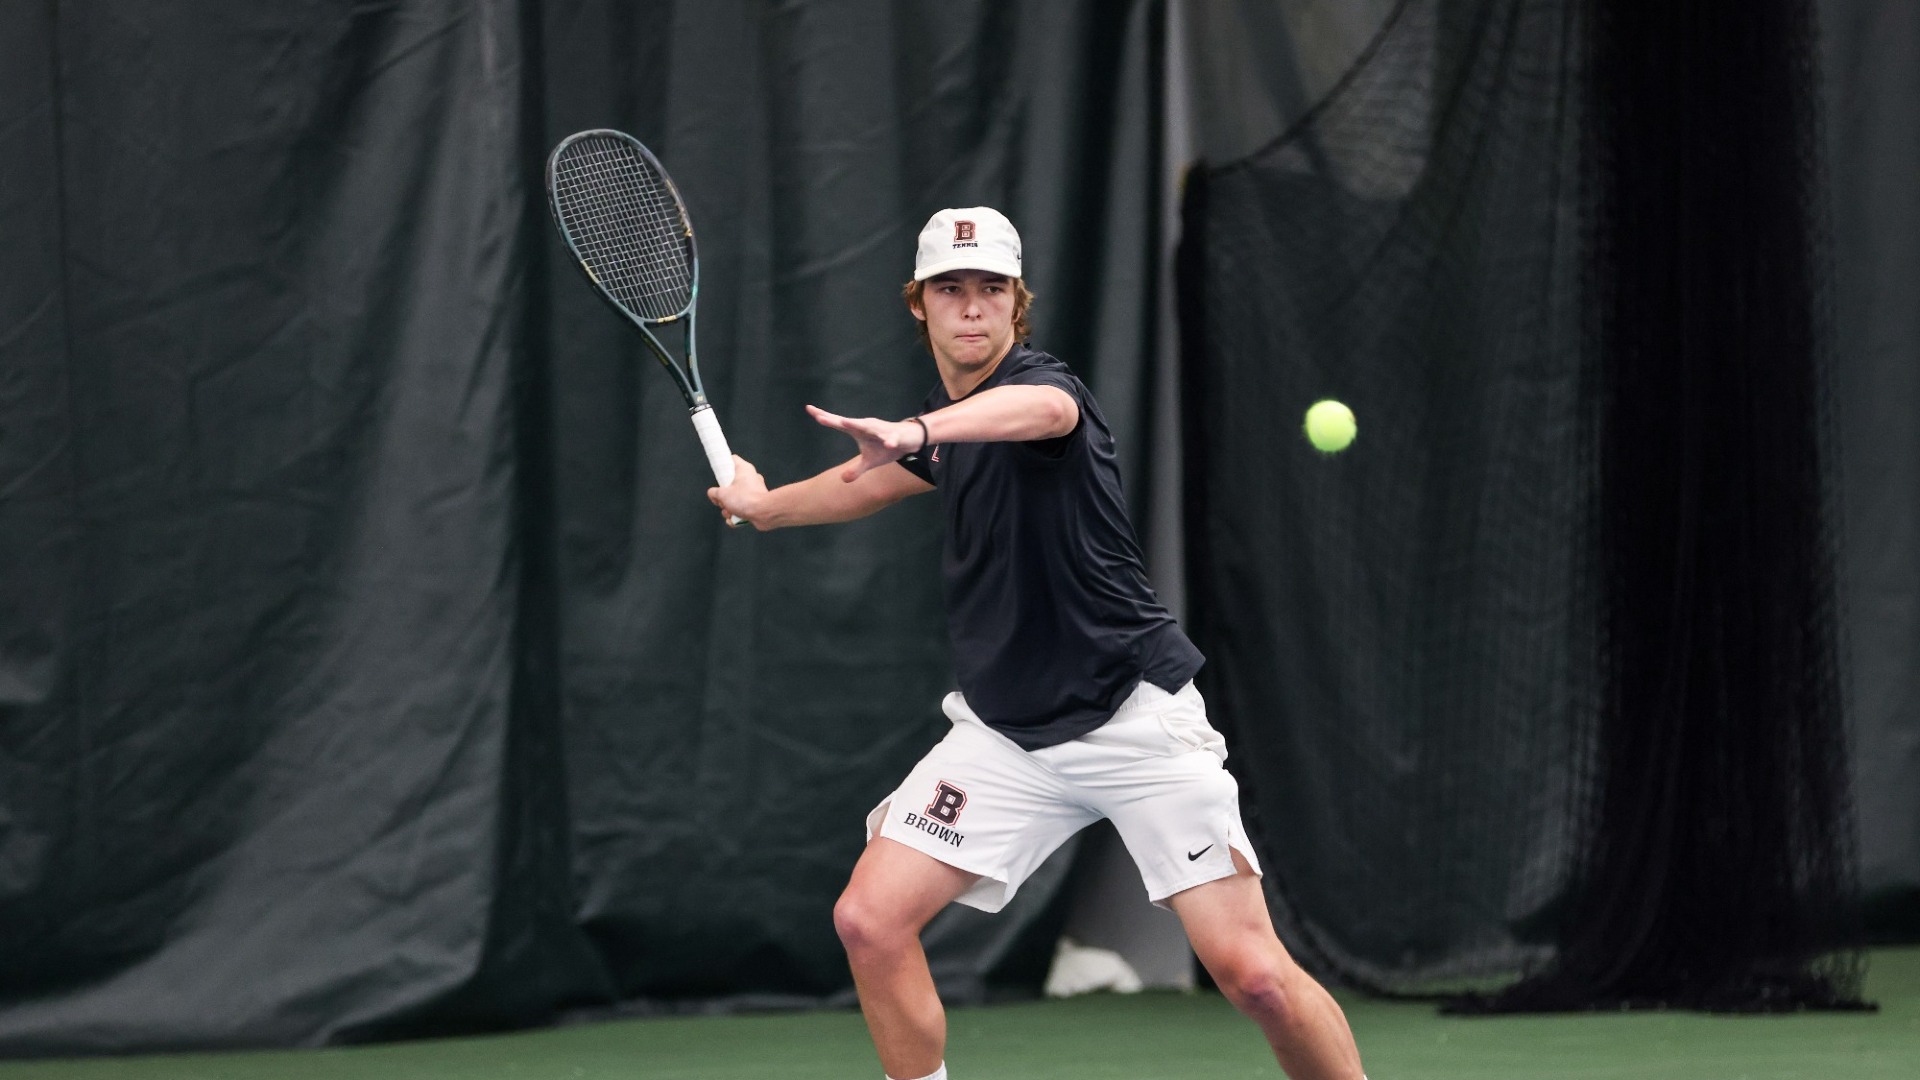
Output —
(687, 379)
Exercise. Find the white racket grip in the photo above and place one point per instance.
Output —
(714, 442)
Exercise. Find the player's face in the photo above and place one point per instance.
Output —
(969, 315)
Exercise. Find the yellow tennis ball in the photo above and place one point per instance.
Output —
(1330, 426)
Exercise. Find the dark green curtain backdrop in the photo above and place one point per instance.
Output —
(1873, 155)
(792, 678)
(370, 660)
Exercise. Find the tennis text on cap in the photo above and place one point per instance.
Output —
(963, 235)
(946, 804)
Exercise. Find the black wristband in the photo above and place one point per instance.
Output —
(925, 435)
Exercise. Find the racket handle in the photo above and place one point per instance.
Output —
(719, 454)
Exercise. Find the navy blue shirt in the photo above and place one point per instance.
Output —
(1051, 617)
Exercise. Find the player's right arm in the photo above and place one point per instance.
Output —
(819, 500)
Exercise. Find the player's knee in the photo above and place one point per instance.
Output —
(1259, 988)
(865, 927)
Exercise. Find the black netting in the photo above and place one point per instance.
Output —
(1416, 645)
(1392, 633)
(1716, 854)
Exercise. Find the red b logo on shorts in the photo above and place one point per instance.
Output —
(946, 804)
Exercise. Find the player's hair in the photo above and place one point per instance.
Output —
(913, 291)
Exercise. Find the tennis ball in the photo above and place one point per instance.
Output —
(1330, 426)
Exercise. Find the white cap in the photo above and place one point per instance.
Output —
(976, 238)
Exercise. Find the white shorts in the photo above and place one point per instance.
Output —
(1156, 770)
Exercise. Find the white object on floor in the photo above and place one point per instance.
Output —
(1081, 969)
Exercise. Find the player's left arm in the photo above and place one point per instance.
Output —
(1015, 413)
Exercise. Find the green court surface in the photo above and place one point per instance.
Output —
(1155, 1036)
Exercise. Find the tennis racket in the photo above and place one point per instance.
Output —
(628, 229)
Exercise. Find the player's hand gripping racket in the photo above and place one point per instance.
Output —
(629, 230)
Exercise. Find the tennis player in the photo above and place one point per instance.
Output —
(1075, 700)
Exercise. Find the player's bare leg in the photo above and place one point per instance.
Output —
(894, 892)
(1232, 933)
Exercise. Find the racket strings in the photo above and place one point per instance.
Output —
(627, 225)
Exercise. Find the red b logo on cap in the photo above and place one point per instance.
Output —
(962, 231)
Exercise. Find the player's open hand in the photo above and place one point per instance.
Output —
(745, 497)
(880, 441)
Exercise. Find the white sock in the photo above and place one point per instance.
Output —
(937, 1074)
